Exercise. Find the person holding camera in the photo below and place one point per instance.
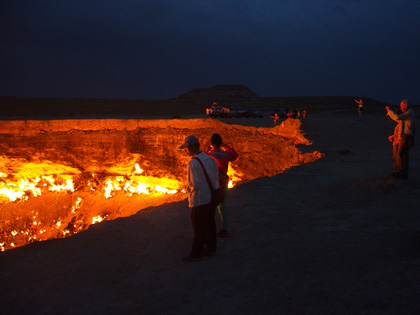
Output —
(403, 138)
(223, 154)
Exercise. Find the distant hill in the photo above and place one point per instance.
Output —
(227, 93)
(190, 103)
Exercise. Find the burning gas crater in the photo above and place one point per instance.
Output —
(58, 177)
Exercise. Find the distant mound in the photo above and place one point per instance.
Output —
(227, 93)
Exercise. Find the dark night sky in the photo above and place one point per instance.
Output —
(156, 49)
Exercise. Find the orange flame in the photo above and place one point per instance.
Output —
(20, 182)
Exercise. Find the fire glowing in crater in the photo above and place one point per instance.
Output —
(59, 177)
(21, 186)
(16, 189)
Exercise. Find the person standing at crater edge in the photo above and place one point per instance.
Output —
(405, 129)
(223, 154)
(199, 197)
(276, 118)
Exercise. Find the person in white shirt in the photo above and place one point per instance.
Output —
(199, 197)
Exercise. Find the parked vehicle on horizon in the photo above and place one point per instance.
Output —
(255, 113)
(238, 112)
(217, 111)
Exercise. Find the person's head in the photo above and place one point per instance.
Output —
(405, 105)
(191, 145)
(216, 140)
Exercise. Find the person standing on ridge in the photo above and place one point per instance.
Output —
(223, 154)
(359, 107)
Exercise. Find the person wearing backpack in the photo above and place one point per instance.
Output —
(223, 154)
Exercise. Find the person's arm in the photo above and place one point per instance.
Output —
(209, 150)
(192, 174)
(232, 154)
(396, 117)
(391, 113)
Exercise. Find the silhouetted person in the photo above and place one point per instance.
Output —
(359, 107)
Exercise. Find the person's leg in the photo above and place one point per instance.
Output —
(396, 159)
(401, 160)
(211, 238)
(403, 153)
(199, 223)
(223, 212)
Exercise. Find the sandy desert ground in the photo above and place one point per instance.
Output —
(336, 236)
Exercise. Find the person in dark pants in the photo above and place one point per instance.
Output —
(199, 197)
(404, 132)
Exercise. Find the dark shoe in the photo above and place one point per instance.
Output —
(223, 233)
(398, 176)
(209, 252)
(192, 258)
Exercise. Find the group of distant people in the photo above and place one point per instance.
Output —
(290, 114)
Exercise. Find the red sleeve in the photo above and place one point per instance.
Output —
(232, 154)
